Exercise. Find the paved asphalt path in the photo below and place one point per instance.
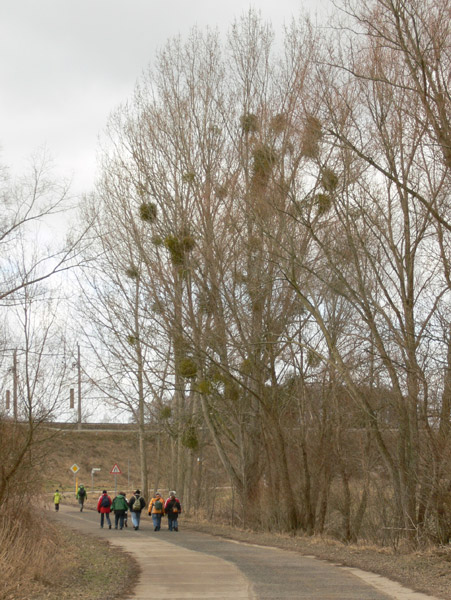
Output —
(187, 564)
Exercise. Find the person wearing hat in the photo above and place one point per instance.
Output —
(136, 504)
(156, 510)
(173, 508)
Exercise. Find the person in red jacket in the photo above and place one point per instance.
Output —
(172, 508)
(104, 508)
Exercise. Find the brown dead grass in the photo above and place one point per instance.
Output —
(41, 561)
(92, 569)
(89, 449)
(28, 552)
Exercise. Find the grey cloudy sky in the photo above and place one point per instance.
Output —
(65, 65)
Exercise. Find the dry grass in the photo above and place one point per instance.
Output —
(89, 449)
(29, 553)
(41, 561)
(92, 569)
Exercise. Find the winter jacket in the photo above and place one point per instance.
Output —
(172, 508)
(132, 501)
(83, 496)
(119, 503)
(153, 510)
(57, 497)
(104, 509)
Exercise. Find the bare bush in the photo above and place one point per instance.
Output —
(23, 570)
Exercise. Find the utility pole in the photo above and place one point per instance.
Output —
(15, 385)
(79, 386)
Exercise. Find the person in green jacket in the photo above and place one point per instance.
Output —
(57, 497)
(81, 496)
(120, 507)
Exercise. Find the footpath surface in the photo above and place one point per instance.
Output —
(187, 564)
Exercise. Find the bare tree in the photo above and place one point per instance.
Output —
(26, 205)
(38, 342)
(32, 289)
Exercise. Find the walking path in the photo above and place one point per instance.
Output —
(187, 564)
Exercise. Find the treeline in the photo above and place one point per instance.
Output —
(269, 273)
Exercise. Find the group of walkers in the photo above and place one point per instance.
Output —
(136, 504)
(157, 509)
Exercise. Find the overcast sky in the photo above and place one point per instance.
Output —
(65, 65)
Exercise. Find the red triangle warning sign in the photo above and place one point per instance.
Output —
(115, 470)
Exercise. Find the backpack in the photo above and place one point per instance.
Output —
(105, 502)
(158, 505)
(137, 504)
(81, 492)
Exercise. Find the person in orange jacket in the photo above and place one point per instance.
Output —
(104, 508)
(156, 510)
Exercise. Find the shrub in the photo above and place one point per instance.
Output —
(165, 412)
(132, 272)
(148, 212)
(26, 565)
(329, 179)
(311, 137)
(189, 177)
(279, 123)
(264, 159)
(323, 203)
(249, 123)
(189, 438)
(188, 368)
(179, 247)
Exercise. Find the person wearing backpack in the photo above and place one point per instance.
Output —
(81, 496)
(156, 511)
(126, 514)
(173, 508)
(57, 497)
(120, 508)
(136, 504)
(104, 508)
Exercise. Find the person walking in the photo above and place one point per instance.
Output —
(57, 497)
(126, 514)
(120, 508)
(136, 504)
(104, 508)
(156, 510)
(81, 496)
(173, 508)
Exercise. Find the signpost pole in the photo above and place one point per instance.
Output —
(115, 471)
(75, 468)
(92, 477)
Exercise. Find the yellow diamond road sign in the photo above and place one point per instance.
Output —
(74, 468)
